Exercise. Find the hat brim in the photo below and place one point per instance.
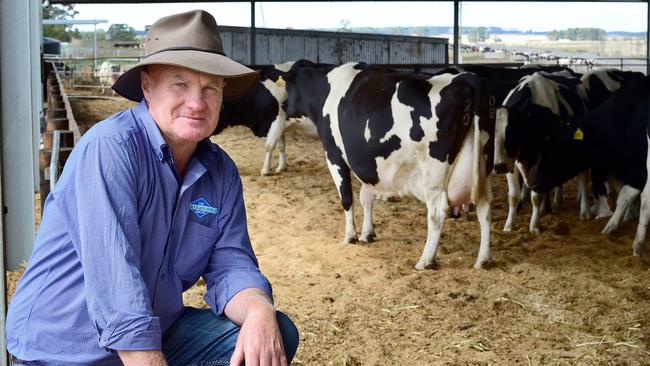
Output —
(239, 78)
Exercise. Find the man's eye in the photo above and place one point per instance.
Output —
(214, 90)
(180, 84)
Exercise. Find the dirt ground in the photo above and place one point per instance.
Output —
(569, 296)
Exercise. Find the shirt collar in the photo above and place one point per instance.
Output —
(205, 150)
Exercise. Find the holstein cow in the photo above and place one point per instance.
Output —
(499, 82)
(540, 105)
(261, 110)
(600, 84)
(612, 138)
(399, 133)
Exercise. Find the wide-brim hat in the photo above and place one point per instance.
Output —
(189, 40)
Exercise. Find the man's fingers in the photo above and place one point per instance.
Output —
(237, 357)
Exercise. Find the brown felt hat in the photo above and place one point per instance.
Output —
(189, 40)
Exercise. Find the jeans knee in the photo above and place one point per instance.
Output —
(290, 335)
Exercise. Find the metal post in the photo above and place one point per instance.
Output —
(4, 356)
(37, 85)
(16, 67)
(457, 35)
(94, 48)
(253, 34)
(54, 159)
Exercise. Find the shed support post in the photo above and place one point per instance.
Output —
(253, 61)
(457, 32)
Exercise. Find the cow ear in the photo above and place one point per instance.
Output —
(280, 82)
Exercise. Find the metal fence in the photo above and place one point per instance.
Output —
(89, 75)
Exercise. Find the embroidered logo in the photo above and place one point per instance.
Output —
(202, 207)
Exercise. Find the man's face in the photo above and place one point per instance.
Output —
(184, 103)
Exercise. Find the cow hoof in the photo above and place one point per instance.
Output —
(264, 173)
(281, 169)
(534, 231)
(352, 240)
(585, 216)
(425, 265)
(638, 250)
(370, 238)
(608, 229)
(507, 229)
(481, 264)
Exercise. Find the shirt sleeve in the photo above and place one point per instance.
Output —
(233, 265)
(98, 199)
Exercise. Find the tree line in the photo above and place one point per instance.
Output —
(578, 34)
(65, 33)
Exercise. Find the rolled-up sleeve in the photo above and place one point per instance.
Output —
(232, 266)
(99, 204)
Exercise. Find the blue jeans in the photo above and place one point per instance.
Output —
(200, 338)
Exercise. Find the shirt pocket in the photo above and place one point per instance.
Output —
(195, 250)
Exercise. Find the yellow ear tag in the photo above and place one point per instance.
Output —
(280, 83)
(578, 134)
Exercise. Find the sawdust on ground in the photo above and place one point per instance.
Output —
(567, 296)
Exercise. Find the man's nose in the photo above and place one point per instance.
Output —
(195, 99)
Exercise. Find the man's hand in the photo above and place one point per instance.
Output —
(142, 358)
(259, 342)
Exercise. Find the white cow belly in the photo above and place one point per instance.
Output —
(410, 172)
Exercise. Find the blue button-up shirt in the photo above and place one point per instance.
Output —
(120, 240)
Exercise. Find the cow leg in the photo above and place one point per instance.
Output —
(437, 206)
(633, 212)
(275, 134)
(625, 198)
(266, 166)
(341, 175)
(639, 239)
(513, 198)
(282, 155)
(600, 208)
(644, 216)
(484, 214)
(367, 198)
(536, 200)
(558, 197)
(585, 213)
(524, 195)
(545, 207)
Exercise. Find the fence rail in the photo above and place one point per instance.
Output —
(88, 74)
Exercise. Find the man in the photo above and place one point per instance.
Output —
(145, 206)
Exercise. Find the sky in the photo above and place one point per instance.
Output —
(535, 16)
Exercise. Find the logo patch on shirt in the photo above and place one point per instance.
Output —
(202, 207)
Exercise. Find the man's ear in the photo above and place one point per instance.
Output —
(145, 82)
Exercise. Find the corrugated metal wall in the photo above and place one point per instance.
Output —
(282, 45)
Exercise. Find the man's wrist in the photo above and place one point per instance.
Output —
(142, 358)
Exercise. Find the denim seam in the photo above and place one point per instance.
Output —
(211, 363)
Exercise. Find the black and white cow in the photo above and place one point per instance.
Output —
(600, 84)
(612, 138)
(399, 133)
(261, 110)
(540, 105)
(499, 82)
